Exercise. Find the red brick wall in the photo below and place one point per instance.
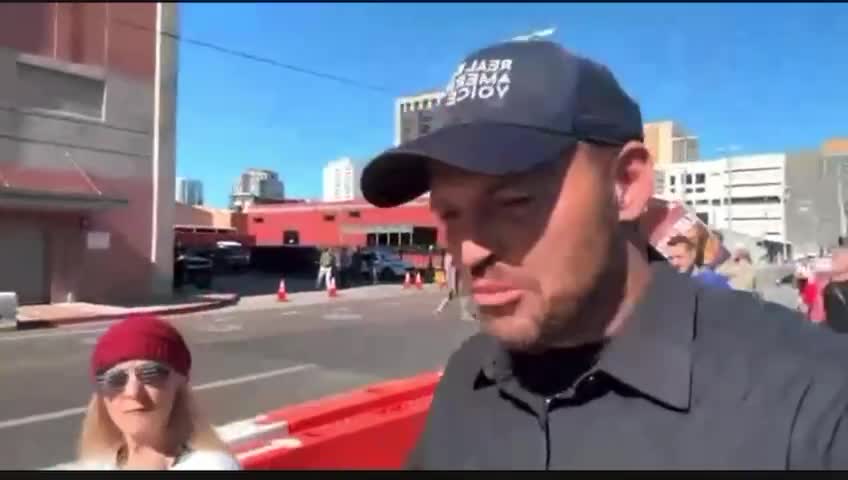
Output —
(87, 33)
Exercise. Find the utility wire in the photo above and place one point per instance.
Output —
(256, 58)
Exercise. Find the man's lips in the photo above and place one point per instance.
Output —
(493, 294)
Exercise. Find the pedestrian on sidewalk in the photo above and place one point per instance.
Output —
(325, 267)
(594, 353)
(142, 414)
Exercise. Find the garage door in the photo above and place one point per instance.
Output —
(22, 263)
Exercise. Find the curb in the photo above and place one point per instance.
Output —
(164, 311)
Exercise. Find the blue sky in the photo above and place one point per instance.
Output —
(765, 77)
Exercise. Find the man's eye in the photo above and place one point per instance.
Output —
(515, 201)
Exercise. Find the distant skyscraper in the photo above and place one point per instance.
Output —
(413, 115)
(341, 180)
(189, 192)
(255, 186)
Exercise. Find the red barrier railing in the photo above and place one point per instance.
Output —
(380, 440)
(371, 428)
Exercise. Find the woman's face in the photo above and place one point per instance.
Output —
(139, 396)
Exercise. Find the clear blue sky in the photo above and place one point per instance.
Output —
(766, 77)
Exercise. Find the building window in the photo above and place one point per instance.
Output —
(705, 217)
(329, 217)
(354, 214)
(671, 179)
(699, 190)
(700, 178)
(46, 88)
(688, 179)
(291, 237)
(258, 220)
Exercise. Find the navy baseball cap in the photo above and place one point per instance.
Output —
(508, 108)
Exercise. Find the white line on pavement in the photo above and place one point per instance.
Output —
(289, 313)
(70, 412)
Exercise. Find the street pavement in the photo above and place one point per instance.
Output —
(247, 361)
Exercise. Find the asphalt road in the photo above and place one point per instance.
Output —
(245, 362)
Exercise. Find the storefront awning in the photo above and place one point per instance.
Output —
(57, 184)
(15, 198)
(378, 229)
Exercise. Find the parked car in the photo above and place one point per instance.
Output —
(230, 255)
(388, 264)
(192, 269)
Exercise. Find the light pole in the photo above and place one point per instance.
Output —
(727, 152)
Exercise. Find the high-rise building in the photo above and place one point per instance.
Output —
(669, 142)
(189, 192)
(413, 115)
(340, 180)
(793, 199)
(257, 185)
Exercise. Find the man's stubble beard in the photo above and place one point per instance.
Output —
(577, 321)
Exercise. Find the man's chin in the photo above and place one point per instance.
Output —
(515, 333)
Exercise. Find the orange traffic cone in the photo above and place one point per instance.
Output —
(331, 287)
(407, 281)
(418, 283)
(281, 292)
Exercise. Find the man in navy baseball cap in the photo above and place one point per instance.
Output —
(593, 353)
(508, 108)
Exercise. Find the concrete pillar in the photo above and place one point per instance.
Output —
(164, 149)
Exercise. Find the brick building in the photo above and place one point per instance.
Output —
(343, 223)
(87, 126)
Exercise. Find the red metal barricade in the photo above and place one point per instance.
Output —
(372, 428)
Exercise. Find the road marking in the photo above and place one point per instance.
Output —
(342, 316)
(89, 340)
(220, 328)
(27, 336)
(222, 318)
(289, 313)
(70, 412)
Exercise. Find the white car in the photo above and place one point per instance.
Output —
(387, 264)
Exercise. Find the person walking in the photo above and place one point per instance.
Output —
(594, 353)
(740, 270)
(325, 267)
(142, 414)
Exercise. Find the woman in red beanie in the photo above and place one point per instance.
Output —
(142, 414)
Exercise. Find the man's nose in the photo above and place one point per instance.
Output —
(473, 254)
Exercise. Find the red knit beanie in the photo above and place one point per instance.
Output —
(141, 337)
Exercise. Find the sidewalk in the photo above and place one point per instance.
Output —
(58, 314)
(368, 292)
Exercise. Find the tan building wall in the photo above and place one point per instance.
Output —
(208, 217)
(669, 142)
(835, 146)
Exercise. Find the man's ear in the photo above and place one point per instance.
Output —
(634, 180)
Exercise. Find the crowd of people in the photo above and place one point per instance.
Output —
(822, 285)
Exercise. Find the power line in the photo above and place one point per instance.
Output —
(259, 59)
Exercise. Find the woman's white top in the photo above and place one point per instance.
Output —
(193, 460)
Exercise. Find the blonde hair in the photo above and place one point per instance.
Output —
(100, 438)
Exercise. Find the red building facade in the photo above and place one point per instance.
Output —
(87, 94)
(354, 223)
